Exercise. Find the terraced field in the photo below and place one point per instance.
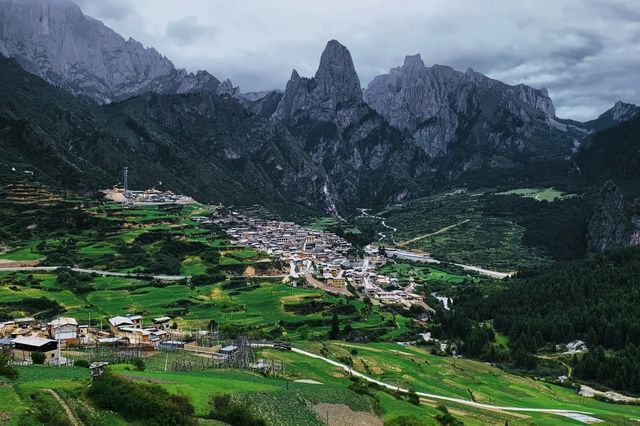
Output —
(476, 239)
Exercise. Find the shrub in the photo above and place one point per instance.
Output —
(38, 357)
(81, 363)
(148, 404)
(6, 369)
(138, 363)
(232, 412)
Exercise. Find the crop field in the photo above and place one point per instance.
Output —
(539, 194)
(452, 227)
(417, 369)
(323, 223)
(254, 306)
(422, 273)
(289, 398)
(107, 237)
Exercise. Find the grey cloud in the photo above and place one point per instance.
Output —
(187, 30)
(586, 52)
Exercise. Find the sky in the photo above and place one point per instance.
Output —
(585, 52)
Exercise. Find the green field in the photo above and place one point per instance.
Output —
(539, 194)
(453, 227)
(416, 369)
(323, 223)
(421, 273)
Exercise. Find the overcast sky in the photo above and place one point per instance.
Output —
(586, 52)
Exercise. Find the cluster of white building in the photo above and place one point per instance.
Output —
(148, 197)
(317, 255)
(321, 254)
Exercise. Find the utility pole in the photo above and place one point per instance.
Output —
(58, 336)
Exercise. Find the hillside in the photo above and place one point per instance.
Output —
(613, 152)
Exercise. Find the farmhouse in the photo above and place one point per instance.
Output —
(117, 322)
(135, 335)
(136, 320)
(6, 345)
(25, 345)
(64, 328)
(24, 322)
(7, 327)
(161, 323)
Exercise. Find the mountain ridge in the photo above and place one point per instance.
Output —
(56, 41)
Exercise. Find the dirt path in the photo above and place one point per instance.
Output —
(439, 231)
(557, 358)
(75, 421)
(329, 289)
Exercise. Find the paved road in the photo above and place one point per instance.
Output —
(95, 271)
(421, 257)
(438, 397)
(160, 277)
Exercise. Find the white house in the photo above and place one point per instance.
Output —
(63, 328)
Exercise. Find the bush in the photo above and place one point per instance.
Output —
(233, 413)
(81, 363)
(446, 419)
(38, 357)
(6, 369)
(138, 363)
(148, 404)
(405, 420)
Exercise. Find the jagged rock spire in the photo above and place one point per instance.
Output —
(335, 84)
(336, 76)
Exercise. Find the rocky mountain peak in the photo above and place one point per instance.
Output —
(336, 76)
(619, 112)
(438, 103)
(413, 61)
(56, 41)
(334, 87)
(623, 111)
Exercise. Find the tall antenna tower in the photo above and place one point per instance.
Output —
(125, 180)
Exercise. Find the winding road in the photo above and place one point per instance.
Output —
(421, 257)
(351, 371)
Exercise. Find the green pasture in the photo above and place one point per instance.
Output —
(539, 194)
(476, 239)
(423, 273)
(322, 223)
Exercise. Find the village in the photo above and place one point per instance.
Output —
(29, 341)
(318, 258)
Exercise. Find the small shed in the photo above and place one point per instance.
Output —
(6, 345)
(97, 368)
(171, 345)
(229, 350)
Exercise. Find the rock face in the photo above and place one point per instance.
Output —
(619, 113)
(56, 41)
(440, 106)
(614, 224)
(362, 156)
(334, 89)
(261, 103)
